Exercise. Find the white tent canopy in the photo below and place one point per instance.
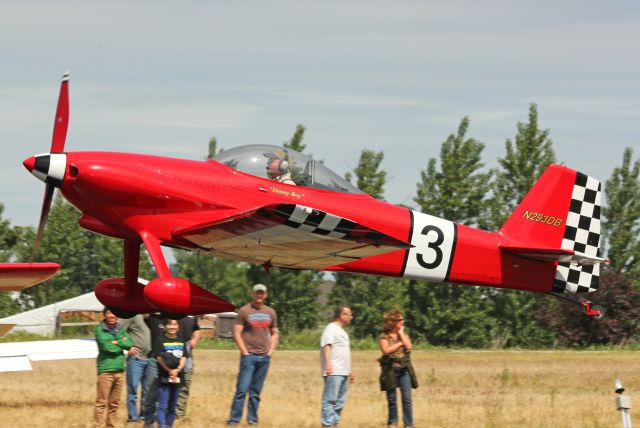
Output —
(42, 320)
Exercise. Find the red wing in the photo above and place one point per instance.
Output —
(292, 236)
(18, 276)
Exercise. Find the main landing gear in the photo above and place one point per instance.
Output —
(591, 309)
(173, 297)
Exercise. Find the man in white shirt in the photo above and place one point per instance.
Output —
(335, 359)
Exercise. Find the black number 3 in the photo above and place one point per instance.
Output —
(435, 246)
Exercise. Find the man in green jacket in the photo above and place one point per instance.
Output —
(112, 342)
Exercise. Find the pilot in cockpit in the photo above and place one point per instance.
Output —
(278, 166)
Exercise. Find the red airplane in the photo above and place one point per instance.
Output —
(229, 208)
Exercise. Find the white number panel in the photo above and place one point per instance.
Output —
(434, 241)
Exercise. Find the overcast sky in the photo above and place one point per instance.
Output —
(163, 77)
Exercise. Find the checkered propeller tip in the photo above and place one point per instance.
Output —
(582, 235)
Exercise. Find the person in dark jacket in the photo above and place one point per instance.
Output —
(171, 352)
(397, 371)
(112, 342)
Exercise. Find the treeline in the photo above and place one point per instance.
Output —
(457, 186)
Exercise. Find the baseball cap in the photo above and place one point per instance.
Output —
(260, 287)
(278, 154)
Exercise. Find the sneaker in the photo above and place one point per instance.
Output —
(232, 424)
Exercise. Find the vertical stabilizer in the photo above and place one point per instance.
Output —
(559, 221)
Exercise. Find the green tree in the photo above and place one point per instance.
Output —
(525, 159)
(369, 177)
(8, 240)
(622, 216)
(450, 314)
(295, 143)
(456, 192)
(213, 148)
(225, 278)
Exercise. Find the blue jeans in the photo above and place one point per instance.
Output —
(403, 380)
(253, 371)
(334, 396)
(150, 391)
(167, 398)
(136, 368)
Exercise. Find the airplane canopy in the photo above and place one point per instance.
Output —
(305, 171)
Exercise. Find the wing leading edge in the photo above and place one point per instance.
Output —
(289, 235)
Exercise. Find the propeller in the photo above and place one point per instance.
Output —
(47, 167)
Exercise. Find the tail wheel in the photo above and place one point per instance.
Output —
(597, 312)
(592, 310)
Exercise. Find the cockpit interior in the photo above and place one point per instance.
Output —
(305, 171)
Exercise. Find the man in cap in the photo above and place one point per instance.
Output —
(278, 166)
(256, 334)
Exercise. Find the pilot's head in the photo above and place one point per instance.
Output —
(277, 163)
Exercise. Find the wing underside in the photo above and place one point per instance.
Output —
(289, 235)
(18, 276)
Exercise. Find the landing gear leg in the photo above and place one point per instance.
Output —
(591, 309)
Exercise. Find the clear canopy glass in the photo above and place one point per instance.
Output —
(305, 171)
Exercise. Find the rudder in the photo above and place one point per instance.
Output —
(582, 235)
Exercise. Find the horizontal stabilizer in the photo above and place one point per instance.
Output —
(555, 254)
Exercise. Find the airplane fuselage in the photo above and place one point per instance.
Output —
(123, 195)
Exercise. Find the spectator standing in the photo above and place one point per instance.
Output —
(256, 335)
(171, 352)
(190, 330)
(112, 342)
(139, 372)
(335, 360)
(396, 369)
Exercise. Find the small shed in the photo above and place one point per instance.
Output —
(224, 324)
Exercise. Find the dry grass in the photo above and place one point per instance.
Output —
(458, 389)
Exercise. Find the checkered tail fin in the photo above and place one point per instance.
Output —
(558, 222)
(582, 236)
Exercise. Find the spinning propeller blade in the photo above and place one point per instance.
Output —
(60, 126)
(44, 214)
(61, 122)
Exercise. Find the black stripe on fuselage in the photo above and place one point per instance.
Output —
(453, 251)
(406, 252)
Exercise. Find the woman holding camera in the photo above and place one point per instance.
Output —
(397, 371)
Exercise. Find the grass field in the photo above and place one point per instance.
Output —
(458, 389)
